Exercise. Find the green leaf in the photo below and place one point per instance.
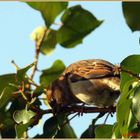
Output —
(21, 129)
(126, 78)
(49, 10)
(132, 122)
(18, 103)
(136, 103)
(6, 119)
(66, 132)
(77, 23)
(53, 128)
(5, 80)
(90, 131)
(116, 131)
(52, 73)
(46, 38)
(135, 133)
(21, 73)
(131, 12)
(49, 42)
(123, 109)
(123, 118)
(23, 116)
(131, 63)
(126, 87)
(6, 95)
(103, 131)
(8, 133)
(38, 91)
(50, 128)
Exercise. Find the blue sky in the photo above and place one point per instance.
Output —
(112, 41)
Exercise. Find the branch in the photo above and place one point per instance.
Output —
(77, 109)
(38, 45)
(82, 109)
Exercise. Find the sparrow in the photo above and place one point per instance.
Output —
(92, 82)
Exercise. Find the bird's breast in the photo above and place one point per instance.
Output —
(100, 92)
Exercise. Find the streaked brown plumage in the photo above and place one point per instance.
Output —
(94, 82)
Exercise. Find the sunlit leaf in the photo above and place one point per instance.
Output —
(46, 38)
(136, 103)
(123, 111)
(123, 108)
(49, 10)
(126, 78)
(116, 131)
(77, 23)
(38, 33)
(23, 116)
(52, 73)
(131, 12)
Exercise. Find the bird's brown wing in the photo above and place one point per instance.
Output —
(89, 69)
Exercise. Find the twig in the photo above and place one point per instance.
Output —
(32, 82)
(16, 66)
(106, 118)
(38, 45)
(68, 120)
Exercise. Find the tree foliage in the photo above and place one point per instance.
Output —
(20, 105)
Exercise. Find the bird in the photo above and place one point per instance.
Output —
(92, 82)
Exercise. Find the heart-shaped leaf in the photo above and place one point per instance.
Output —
(77, 23)
(23, 116)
